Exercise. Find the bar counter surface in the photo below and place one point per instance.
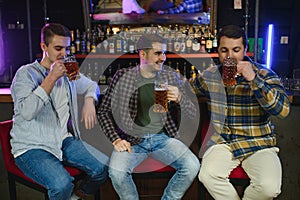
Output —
(148, 18)
(5, 95)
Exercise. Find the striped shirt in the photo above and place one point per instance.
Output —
(118, 109)
(189, 6)
(241, 114)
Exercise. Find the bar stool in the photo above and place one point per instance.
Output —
(238, 177)
(14, 174)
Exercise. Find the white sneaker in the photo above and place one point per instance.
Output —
(74, 197)
(129, 6)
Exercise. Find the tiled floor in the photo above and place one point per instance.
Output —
(23, 192)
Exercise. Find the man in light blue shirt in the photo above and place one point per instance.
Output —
(45, 133)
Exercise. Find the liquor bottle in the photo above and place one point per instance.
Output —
(164, 33)
(88, 41)
(202, 43)
(102, 77)
(131, 44)
(203, 65)
(125, 42)
(111, 45)
(118, 43)
(94, 43)
(98, 39)
(189, 42)
(96, 72)
(193, 73)
(83, 43)
(170, 41)
(215, 42)
(109, 75)
(105, 46)
(183, 44)
(208, 43)
(177, 68)
(184, 70)
(89, 73)
(72, 46)
(77, 41)
(196, 43)
(177, 42)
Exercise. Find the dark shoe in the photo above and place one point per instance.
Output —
(83, 196)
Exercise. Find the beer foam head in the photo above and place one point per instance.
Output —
(160, 89)
(228, 61)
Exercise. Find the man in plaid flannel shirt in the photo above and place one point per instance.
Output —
(136, 132)
(243, 133)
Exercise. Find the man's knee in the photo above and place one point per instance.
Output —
(268, 189)
(62, 186)
(101, 173)
(118, 175)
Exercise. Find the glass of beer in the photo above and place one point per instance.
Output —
(229, 72)
(72, 67)
(160, 96)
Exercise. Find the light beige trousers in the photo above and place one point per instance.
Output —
(262, 167)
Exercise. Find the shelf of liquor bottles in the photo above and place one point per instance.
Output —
(104, 49)
(106, 39)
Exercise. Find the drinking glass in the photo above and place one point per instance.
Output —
(160, 96)
(229, 71)
(72, 67)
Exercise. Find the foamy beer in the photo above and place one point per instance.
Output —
(72, 67)
(229, 72)
(160, 96)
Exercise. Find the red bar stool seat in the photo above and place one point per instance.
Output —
(14, 174)
(238, 177)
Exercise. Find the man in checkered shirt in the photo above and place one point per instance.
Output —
(240, 114)
(127, 118)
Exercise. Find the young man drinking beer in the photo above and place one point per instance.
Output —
(136, 131)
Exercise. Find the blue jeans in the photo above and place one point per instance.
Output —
(48, 170)
(163, 148)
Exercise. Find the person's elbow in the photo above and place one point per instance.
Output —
(284, 112)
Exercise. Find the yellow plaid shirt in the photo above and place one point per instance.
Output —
(241, 114)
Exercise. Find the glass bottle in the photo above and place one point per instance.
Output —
(77, 41)
(208, 43)
(73, 45)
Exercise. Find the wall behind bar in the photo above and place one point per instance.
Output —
(15, 37)
(279, 13)
(283, 14)
(15, 28)
(285, 17)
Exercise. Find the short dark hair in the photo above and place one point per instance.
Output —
(51, 29)
(233, 31)
(146, 40)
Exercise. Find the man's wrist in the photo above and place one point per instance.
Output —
(179, 97)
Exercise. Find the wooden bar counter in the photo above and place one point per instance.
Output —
(5, 96)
